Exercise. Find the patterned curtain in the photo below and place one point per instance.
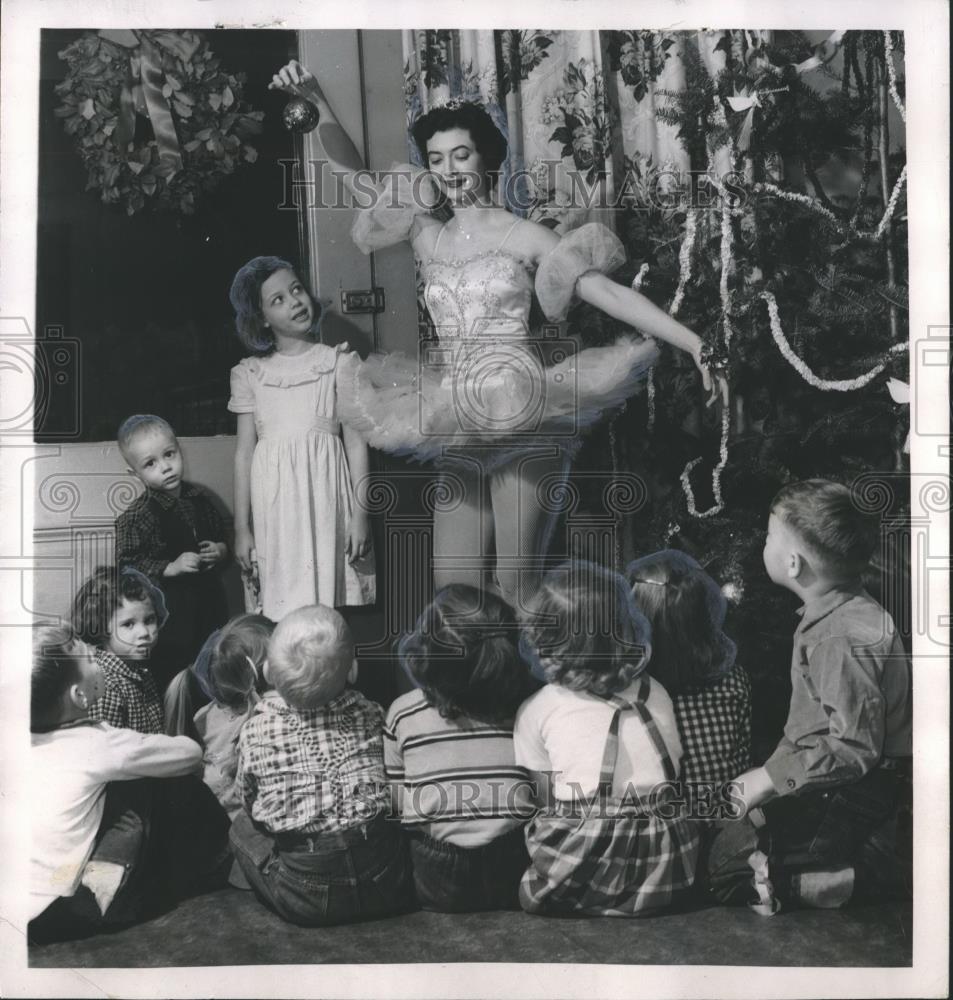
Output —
(578, 108)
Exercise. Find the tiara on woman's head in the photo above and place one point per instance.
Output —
(449, 104)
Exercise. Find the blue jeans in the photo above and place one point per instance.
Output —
(326, 878)
(808, 832)
(452, 879)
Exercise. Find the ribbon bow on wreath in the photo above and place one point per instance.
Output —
(200, 125)
(144, 91)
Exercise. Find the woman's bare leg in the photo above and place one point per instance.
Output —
(523, 526)
(462, 526)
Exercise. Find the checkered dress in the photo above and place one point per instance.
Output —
(130, 699)
(714, 725)
(609, 857)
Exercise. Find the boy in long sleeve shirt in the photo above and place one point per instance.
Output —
(95, 824)
(835, 779)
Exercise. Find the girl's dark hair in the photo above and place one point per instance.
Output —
(686, 609)
(222, 668)
(101, 595)
(584, 631)
(463, 655)
(245, 297)
(54, 670)
(489, 141)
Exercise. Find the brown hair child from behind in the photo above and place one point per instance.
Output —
(448, 751)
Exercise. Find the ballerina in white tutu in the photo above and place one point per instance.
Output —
(500, 412)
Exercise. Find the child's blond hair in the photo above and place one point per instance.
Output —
(310, 654)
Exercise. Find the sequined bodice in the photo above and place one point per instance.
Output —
(485, 297)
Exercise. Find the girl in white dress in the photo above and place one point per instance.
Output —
(296, 469)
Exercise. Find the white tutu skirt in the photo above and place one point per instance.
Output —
(497, 400)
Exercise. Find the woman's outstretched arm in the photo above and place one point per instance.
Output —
(634, 309)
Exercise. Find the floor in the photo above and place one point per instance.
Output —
(229, 927)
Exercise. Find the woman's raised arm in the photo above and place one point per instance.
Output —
(334, 142)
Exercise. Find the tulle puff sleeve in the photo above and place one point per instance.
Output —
(591, 247)
(405, 192)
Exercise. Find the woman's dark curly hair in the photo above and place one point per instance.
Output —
(245, 297)
(584, 632)
(489, 141)
(98, 599)
(686, 609)
(463, 655)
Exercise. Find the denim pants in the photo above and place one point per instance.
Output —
(452, 879)
(170, 836)
(326, 878)
(807, 833)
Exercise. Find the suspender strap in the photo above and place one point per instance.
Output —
(611, 752)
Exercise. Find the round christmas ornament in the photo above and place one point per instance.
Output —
(300, 115)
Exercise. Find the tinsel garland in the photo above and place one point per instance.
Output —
(816, 206)
(650, 378)
(801, 199)
(826, 385)
(719, 504)
(727, 265)
(892, 73)
(684, 262)
(892, 204)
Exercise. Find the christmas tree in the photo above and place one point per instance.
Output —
(792, 266)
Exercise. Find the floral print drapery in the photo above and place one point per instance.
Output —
(585, 101)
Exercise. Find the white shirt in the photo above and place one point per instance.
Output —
(565, 731)
(70, 768)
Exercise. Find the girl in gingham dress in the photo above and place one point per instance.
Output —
(602, 747)
(695, 662)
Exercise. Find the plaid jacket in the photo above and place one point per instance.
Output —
(143, 542)
(313, 771)
(130, 698)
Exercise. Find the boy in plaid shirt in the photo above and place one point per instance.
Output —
(314, 839)
(173, 534)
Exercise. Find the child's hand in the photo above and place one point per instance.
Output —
(188, 562)
(245, 549)
(754, 787)
(359, 539)
(212, 553)
(295, 79)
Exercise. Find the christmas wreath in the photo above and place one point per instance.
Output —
(122, 82)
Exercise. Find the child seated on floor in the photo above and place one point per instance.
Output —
(228, 670)
(833, 785)
(103, 842)
(601, 743)
(694, 661)
(172, 533)
(119, 613)
(314, 839)
(448, 752)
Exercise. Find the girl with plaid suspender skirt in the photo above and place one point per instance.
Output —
(601, 742)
